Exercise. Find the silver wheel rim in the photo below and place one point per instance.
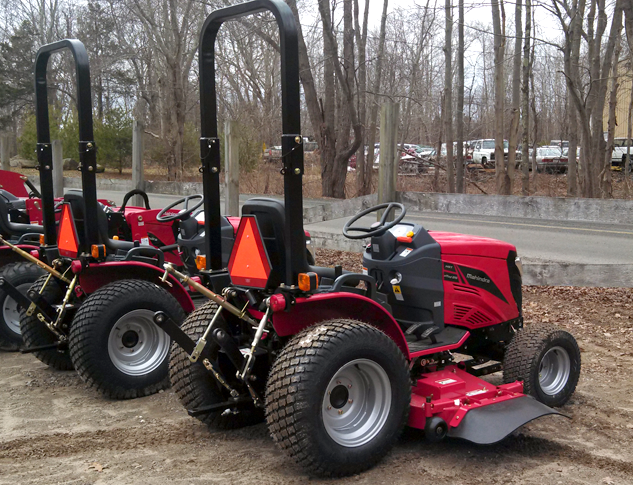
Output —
(136, 346)
(554, 371)
(356, 403)
(11, 312)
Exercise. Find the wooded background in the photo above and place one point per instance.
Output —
(512, 76)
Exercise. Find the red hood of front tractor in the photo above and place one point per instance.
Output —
(464, 244)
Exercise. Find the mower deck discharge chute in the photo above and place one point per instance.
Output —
(338, 363)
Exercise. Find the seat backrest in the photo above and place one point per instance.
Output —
(271, 220)
(8, 228)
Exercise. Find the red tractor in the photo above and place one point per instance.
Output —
(338, 369)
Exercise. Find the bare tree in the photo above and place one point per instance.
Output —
(503, 180)
(516, 94)
(172, 29)
(363, 178)
(525, 96)
(459, 116)
(373, 114)
(333, 175)
(448, 96)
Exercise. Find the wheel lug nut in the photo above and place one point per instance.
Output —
(350, 401)
(349, 386)
(340, 411)
(338, 382)
(329, 408)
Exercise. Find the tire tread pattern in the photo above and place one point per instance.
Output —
(82, 342)
(192, 383)
(20, 272)
(523, 351)
(293, 372)
(36, 333)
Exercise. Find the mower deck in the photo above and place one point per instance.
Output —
(473, 409)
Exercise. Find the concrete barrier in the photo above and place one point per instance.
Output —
(615, 211)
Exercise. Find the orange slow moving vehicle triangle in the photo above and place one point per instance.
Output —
(249, 264)
(67, 241)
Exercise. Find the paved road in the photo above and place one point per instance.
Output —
(537, 240)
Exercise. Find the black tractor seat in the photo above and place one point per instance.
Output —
(15, 230)
(271, 220)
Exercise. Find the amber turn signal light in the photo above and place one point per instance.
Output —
(308, 281)
(201, 262)
(98, 251)
(41, 239)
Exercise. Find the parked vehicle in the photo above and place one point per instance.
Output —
(272, 154)
(338, 369)
(618, 157)
(484, 152)
(551, 159)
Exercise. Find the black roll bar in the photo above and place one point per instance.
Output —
(291, 141)
(87, 146)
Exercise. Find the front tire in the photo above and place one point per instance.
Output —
(114, 343)
(547, 360)
(21, 276)
(338, 397)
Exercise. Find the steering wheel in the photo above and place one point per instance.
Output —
(184, 213)
(377, 228)
(132, 193)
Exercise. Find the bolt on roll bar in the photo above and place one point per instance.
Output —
(291, 141)
(87, 147)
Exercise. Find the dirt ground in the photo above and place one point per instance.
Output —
(54, 430)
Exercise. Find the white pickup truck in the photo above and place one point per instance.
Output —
(618, 157)
(484, 152)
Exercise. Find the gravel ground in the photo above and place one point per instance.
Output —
(53, 429)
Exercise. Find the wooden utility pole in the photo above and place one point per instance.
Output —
(138, 178)
(4, 152)
(231, 169)
(58, 169)
(388, 171)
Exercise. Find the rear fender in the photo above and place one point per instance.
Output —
(8, 256)
(97, 275)
(326, 306)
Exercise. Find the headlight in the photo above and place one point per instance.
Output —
(519, 264)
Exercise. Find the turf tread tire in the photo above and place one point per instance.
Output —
(17, 274)
(36, 333)
(88, 346)
(523, 356)
(193, 384)
(296, 371)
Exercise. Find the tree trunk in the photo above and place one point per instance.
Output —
(606, 189)
(363, 172)
(516, 95)
(347, 112)
(459, 159)
(373, 114)
(502, 181)
(448, 99)
(525, 162)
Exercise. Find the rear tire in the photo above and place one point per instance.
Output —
(338, 397)
(117, 319)
(36, 333)
(196, 387)
(22, 276)
(547, 360)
